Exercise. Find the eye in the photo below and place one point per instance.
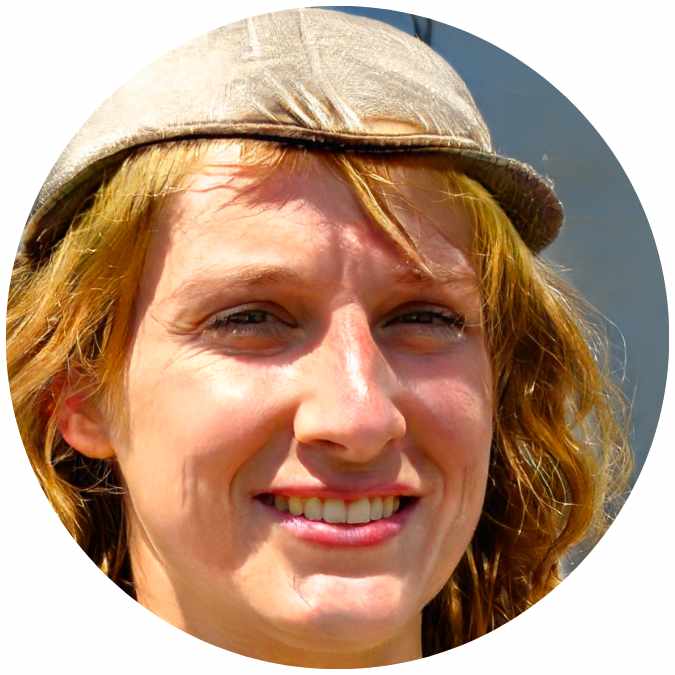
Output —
(427, 324)
(243, 318)
(248, 328)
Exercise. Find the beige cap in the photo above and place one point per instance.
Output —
(314, 77)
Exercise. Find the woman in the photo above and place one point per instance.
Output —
(286, 362)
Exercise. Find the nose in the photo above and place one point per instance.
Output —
(349, 401)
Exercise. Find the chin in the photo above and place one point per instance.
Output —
(349, 612)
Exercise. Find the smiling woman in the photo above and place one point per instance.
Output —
(228, 406)
(311, 403)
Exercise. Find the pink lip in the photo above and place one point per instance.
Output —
(347, 535)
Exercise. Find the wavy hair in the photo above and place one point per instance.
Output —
(560, 456)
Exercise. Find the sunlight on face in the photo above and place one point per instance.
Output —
(289, 371)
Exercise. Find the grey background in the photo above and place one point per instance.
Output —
(606, 248)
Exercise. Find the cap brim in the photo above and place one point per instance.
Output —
(526, 197)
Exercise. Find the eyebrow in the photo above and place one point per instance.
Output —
(244, 276)
(263, 276)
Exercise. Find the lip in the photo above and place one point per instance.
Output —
(338, 535)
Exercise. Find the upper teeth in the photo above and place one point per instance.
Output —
(362, 510)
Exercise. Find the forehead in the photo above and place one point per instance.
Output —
(305, 214)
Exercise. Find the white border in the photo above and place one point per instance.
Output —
(61, 59)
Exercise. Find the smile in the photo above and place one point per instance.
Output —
(360, 521)
(331, 510)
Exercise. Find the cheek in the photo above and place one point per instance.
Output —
(451, 405)
(455, 425)
(192, 426)
(451, 415)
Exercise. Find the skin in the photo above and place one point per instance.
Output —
(336, 381)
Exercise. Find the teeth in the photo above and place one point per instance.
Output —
(313, 509)
(387, 506)
(361, 510)
(295, 505)
(376, 508)
(334, 511)
(281, 502)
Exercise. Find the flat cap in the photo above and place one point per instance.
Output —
(314, 77)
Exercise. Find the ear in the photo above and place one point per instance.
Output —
(82, 425)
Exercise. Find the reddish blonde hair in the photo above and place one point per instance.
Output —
(560, 454)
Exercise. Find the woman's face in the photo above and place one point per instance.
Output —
(286, 356)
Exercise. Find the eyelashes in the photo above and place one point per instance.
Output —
(258, 328)
(431, 318)
(248, 322)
